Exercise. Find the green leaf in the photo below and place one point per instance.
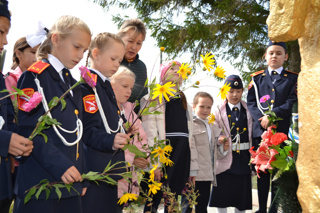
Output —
(195, 86)
(20, 92)
(153, 104)
(146, 82)
(30, 193)
(133, 149)
(45, 137)
(280, 164)
(40, 190)
(137, 103)
(68, 187)
(63, 103)
(145, 112)
(155, 113)
(5, 90)
(47, 193)
(53, 102)
(58, 192)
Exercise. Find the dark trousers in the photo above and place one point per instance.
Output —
(263, 187)
(64, 205)
(203, 188)
(5, 205)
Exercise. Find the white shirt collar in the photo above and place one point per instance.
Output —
(56, 63)
(104, 78)
(238, 105)
(278, 70)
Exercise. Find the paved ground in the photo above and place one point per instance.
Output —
(255, 205)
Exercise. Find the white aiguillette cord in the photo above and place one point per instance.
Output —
(262, 109)
(78, 129)
(103, 116)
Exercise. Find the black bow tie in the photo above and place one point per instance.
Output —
(66, 77)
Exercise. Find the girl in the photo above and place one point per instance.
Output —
(281, 86)
(61, 157)
(133, 33)
(23, 57)
(122, 83)
(175, 124)
(11, 143)
(233, 171)
(204, 136)
(106, 51)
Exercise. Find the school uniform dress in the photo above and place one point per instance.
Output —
(6, 128)
(281, 85)
(177, 133)
(178, 122)
(99, 153)
(234, 185)
(51, 159)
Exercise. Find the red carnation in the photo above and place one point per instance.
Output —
(278, 138)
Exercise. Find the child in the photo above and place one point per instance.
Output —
(280, 85)
(133, 32)
(23, 57)
(174, 124)
(204, 137)
(233, 171)
(122, 83)
(106, 51)
(61, 157)
(11, 143)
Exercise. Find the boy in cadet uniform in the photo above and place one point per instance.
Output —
(11, 143)
(281, 85)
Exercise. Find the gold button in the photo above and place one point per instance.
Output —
(236, 109)
(76, 133)
(263, 74)
(7, 159)
(272, 90)
(118, 112)
(76, 112)
(285, 75)
(274, 72)
(67, 74)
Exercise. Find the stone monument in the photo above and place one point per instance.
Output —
(300, 19)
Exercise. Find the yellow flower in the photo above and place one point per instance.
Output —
(220, 72)
(168, 162)
(189, 72)
(127, 196)
(237, 128)
(154, 187)
(163, 90)
(162, 49)
(211, 118)
(197, 83)
(233, 124)
(183, 70)
(159, 152)
(152, 173)
(224, 91)
(229, 116)
(167, 149)
(244, 129)
(208, 60)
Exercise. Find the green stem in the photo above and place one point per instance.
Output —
(46, 113)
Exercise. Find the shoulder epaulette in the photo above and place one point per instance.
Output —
(257, 73)
(293, 72)
(38, 67)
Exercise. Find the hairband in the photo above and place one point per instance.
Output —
(37, 38)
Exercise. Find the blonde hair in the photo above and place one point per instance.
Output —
(64, 26)
(132, 24)
(102, 42)
(122, 72)
(201, 95)
(21, 44)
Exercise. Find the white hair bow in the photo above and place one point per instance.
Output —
(37, 38)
